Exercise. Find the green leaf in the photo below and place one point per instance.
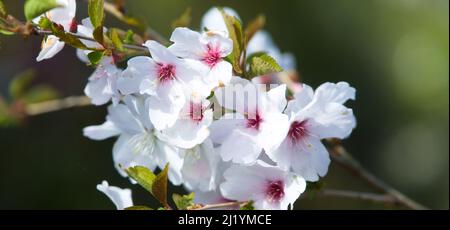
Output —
(40, 93)
(59, 32)
(95, 57)
(254, 26)
(262, 64)
(116, 40)
(97, 17)
(138, 207)
(96, 13)
(20, 83)
(183, 201)
(3, 11)
(159, 188)
(129, 37)
(6, 32)
(236, 35)
(143, 176)
(248, 206)
(155, 184)
(184, 20)
(35, 8)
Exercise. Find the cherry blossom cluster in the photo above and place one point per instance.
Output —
(225, 137)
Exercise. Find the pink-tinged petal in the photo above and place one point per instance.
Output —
(220, 74)
(120, 197)
(186, 132)
(101, 132)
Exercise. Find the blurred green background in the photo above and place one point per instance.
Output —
(394, 52)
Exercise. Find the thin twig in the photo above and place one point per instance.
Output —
(222, 205)
(128, 46)
(56, 105)
(340, 155)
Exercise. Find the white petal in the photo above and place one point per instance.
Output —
(311, 160)
(187, 43)
(273, 130)
(50, 47)
(120, 197)
(199, 167)
(213, 20)
(333, 120)
(240, 147)
(130, 151)
(222, 128)
(160, 53)
(163, 111)
(129, 82)
(123, 119)
(338, 93)
(101, 132)
(278, 97)
(301, 99)
(221, 73)
(99, 90)
(243, 183)
(169, 154)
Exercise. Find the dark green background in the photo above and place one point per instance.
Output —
(394, 52)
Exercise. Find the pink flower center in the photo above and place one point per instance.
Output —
(73, 26)
(166, 72)
(196, 111)
(275, 191)
(297, 131)
(212, 56)
(254, 121)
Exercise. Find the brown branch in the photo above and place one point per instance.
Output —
(56, 105)
(340, 155)
(128, 46)
(222, 205)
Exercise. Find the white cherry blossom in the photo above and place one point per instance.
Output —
(314, 116)
(163, 78)
(257, 125)
(101, 87)
(119, 196)
(63, 15)
(138, 143)
(210, 48)
(267, 186)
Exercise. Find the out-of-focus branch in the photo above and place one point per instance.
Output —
(56, 105)
(340, 155)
